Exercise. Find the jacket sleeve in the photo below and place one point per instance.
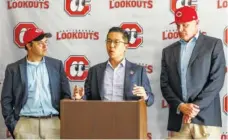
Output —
(7, 101)
(87, 86)
(215, 79)
(167, 91)
(65, 86)
(147, 87)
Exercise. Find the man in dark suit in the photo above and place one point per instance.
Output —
(32, 90)
(193, 72)
(116, 79)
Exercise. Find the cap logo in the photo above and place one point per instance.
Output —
(178, 14)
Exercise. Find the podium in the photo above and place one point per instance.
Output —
(103, 119)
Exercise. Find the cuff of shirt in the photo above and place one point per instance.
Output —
(146, 98)
(178, 110)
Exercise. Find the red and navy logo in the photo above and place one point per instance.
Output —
(76, 67)
(135, 34)
(175, 4)
(77, 7)
(19, 32)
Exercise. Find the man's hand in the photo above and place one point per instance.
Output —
(186, 119)
(78, 93)
(189, 109)
(140, 91)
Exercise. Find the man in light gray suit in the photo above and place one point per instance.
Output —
(193, 72)
(32, 90)
(116, 79)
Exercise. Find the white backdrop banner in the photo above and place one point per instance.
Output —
(79, 29)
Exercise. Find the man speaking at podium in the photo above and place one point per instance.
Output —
(116, 79)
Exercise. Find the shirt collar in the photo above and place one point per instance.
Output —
(122, 63)
(35, 63)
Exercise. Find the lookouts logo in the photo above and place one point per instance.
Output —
(115, 4)
(38, 4)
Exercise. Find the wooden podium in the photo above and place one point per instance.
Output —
(103, 120)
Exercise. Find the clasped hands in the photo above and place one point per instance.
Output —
(189, 110)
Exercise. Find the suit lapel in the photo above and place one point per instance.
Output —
(100, 78)
(23, 71)
(197, 49)
(129, 71)
(50, 71)
(176, 53)
(24, 80)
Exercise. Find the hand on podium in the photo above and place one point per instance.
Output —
(140, 91)
(78, 93)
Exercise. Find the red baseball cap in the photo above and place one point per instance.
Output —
(185, 14)
(35, 34)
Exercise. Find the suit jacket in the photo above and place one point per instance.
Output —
(205, 78)
(134, 74)
(15, 88)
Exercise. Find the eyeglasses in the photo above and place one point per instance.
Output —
(115, 42)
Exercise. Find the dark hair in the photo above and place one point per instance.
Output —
(120, 30)
(26, 46)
